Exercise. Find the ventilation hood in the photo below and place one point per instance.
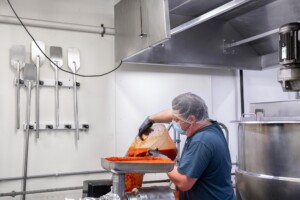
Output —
(237, 34)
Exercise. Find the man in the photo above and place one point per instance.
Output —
(204, 171)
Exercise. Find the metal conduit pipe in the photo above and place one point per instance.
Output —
(242, 92)
(224, 127)
(54, 175)
(101, 29)
(176, 140)
(13, 193)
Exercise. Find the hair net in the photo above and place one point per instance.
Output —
(190, 104)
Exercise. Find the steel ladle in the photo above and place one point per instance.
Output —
(38, 58)
(17, 58)
(74, 65)
(30, 76)
(56, 57)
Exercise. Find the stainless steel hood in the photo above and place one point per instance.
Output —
(237, 34)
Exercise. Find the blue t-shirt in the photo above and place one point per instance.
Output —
(206, 157)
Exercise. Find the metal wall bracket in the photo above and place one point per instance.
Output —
(227, 50)
(61, 127)
(103, 30)
(51, 83)
(250, 39)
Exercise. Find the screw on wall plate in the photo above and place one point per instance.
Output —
(68, 126)
(227, 49)
(86, 126)
(49, 126)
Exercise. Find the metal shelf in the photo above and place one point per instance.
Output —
(251, 39)
(43, 127)
(51, 83)
(209, 15)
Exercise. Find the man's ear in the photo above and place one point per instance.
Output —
(193, 119)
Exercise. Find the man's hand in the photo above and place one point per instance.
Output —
(157, 153)
(145, 125)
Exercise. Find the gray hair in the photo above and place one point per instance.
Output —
(190, 104)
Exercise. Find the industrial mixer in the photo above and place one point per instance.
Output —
(269, 137)
(268, 152)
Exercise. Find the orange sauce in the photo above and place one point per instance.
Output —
(133, 181)
(171, 153)
(140, 155)
(145, 159)
(176, 194)
(140, 152)
(137, 152)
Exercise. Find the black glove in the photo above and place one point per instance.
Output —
(145, 125)
(157, 153)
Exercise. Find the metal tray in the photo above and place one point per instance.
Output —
(134, 167)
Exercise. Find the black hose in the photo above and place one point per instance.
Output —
(242, 92)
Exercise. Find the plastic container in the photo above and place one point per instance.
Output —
(157, 138)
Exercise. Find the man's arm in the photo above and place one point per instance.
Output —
(183, 182)
(164, 116)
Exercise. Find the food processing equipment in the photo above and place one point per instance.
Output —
(221, 34)
(119, 169)
(268, 139)
(268, 152)
(128, 171)
(289, 55)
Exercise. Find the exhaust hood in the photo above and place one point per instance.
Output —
(237, 34)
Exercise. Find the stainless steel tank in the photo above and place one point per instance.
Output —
(151, 193)
(269, 153)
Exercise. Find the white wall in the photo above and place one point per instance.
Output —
(144, 90)
(262, 86)
(56, 152)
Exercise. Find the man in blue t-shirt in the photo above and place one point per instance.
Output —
(204, 171)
